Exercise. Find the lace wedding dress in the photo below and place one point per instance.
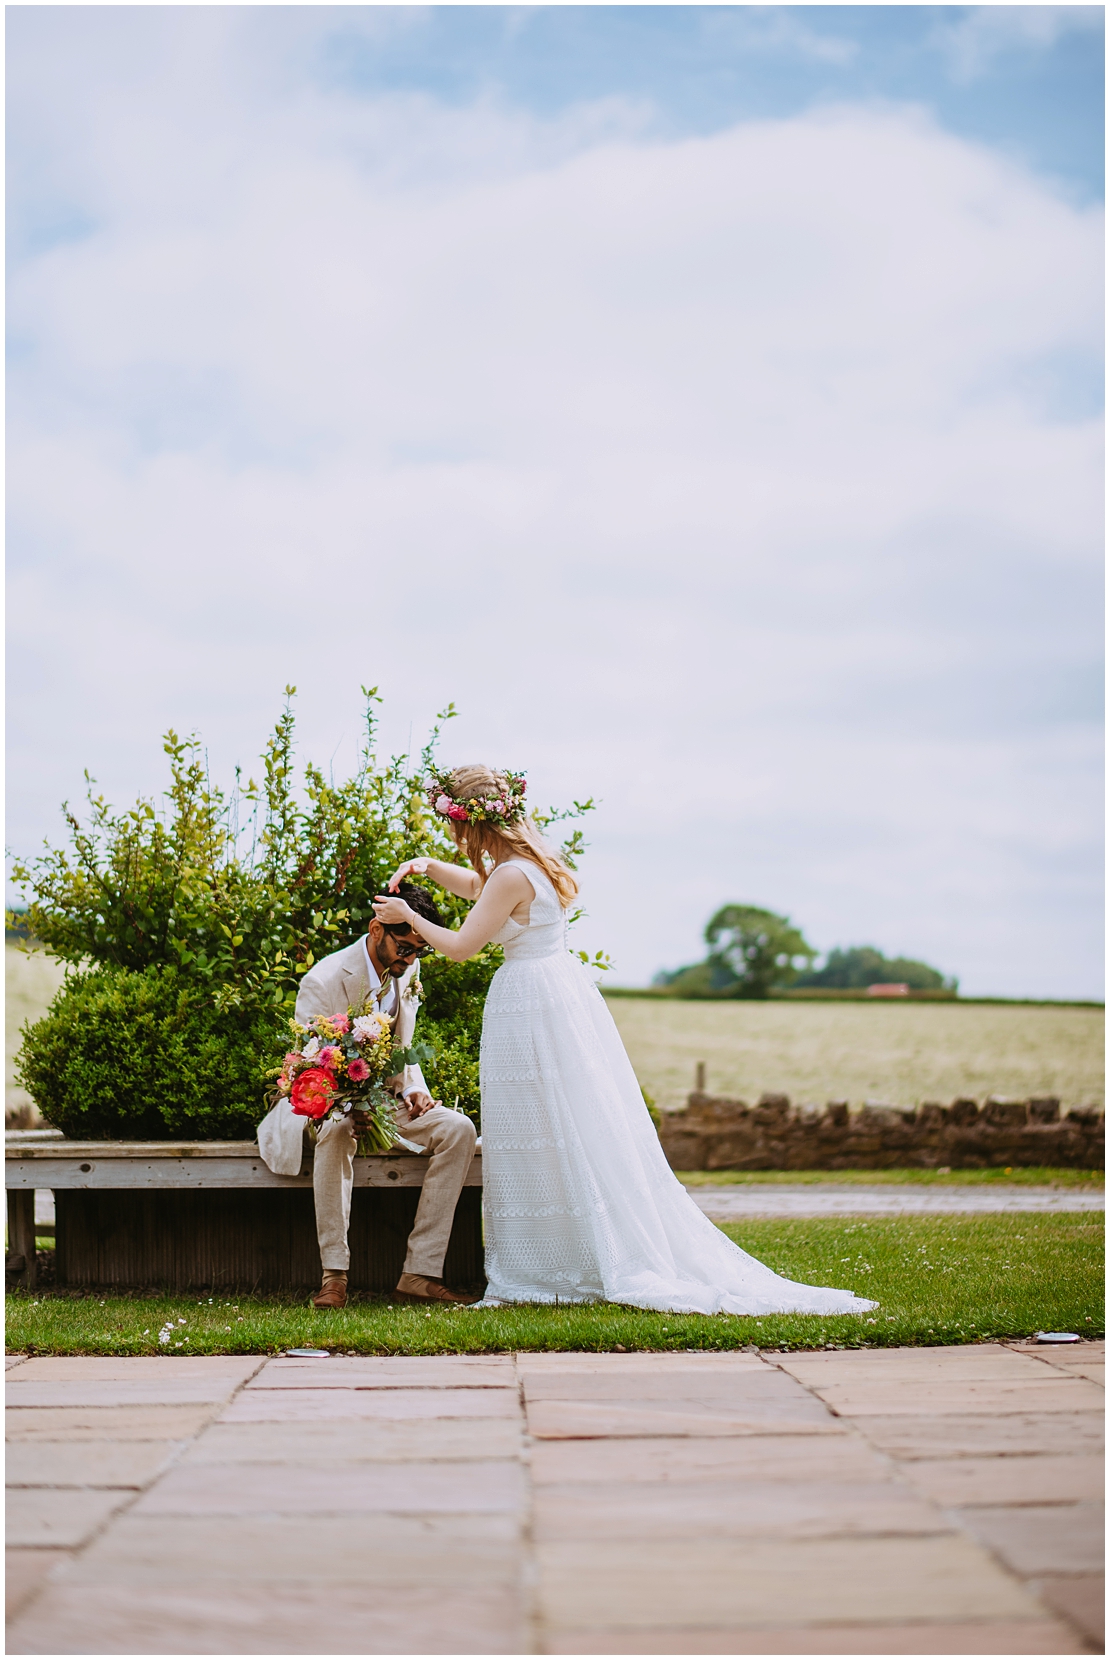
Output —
(580, 1203)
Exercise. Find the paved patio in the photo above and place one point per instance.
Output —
(910, 1501)
(737, 1203)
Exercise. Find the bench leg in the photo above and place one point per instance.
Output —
(22, 1262)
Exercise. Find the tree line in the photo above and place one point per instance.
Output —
(753, 952)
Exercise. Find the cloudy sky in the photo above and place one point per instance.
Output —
(706, 399)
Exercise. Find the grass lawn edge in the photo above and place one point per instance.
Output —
(938, 1281)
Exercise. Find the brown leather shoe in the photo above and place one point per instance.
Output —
(418, 1288)
(333, 1292)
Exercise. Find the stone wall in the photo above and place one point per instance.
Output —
(715, 1133)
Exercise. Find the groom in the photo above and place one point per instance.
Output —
(383, 966)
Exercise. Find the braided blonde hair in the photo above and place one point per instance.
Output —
(479, 842)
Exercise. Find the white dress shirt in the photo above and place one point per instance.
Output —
(384, 994)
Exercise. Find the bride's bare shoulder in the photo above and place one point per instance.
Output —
(509, 878)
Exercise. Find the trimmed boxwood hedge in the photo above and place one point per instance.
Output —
(123, 1055)
(128, 1055)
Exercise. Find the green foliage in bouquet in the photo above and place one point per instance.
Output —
(337, 1067)
(232, 896)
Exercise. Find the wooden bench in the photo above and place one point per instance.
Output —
(191, 1215)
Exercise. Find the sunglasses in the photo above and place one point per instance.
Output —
(405, 948)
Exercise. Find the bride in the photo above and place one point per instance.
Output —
(580, 1203)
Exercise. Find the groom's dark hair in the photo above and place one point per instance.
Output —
(419, 900)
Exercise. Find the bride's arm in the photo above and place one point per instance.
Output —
(454, 878)
(505, 890)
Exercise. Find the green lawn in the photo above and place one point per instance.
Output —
(937, 1280)
(1034, 1176)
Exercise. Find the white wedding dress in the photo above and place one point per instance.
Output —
(580, 1203)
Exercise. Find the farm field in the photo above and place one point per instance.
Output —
(30, 981)
(902, 1053)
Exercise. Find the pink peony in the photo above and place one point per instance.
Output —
(313, 1093)
(443, 804)
(341, 1022)
(357, 1070)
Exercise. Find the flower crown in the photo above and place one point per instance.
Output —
(504, 809)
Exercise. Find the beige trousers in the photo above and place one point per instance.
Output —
(449, 1138)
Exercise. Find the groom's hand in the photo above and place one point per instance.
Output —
(418, 1103)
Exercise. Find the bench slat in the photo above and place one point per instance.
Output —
(139, 1169)
(16, 1148)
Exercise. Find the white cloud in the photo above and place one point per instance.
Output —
(775, 30)
(716, 478)
(975, 41)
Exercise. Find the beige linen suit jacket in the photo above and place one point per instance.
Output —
(331, 986)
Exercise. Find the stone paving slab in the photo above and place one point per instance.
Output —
(294, 1405)
(1022, 1478)
(53, 1516)
(967, 1362)
(1094, 1370)
(714, 1389)
(357, 1440)
(561, 1504)
(941, 1398)
(475, 1549)
(719, 1582)
(217, 1371)
(99, 1464)
(588, 1419)
(151, 1391)
(113, 1423)
(641, 1362)
(913, 1435)
(1041, 1636)
(1081, 1599)
(1060, 1354)
(337, 1489)
(25, 1571)
(386, 1372)
(278, 1618)
(1082, 1360)
(1041, 1539)
(664, 1460)
(754, 1509)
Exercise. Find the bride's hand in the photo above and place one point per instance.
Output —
(414, 867)
(394, 910)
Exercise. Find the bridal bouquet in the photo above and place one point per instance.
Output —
(339, 1063)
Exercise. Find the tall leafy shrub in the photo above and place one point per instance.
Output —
(217, 902)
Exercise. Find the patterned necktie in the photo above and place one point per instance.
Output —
(383, 991)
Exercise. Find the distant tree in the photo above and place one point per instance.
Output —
(858, 966)
(752, 950)
(706, 979)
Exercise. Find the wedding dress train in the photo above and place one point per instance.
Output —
(580, 1203)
